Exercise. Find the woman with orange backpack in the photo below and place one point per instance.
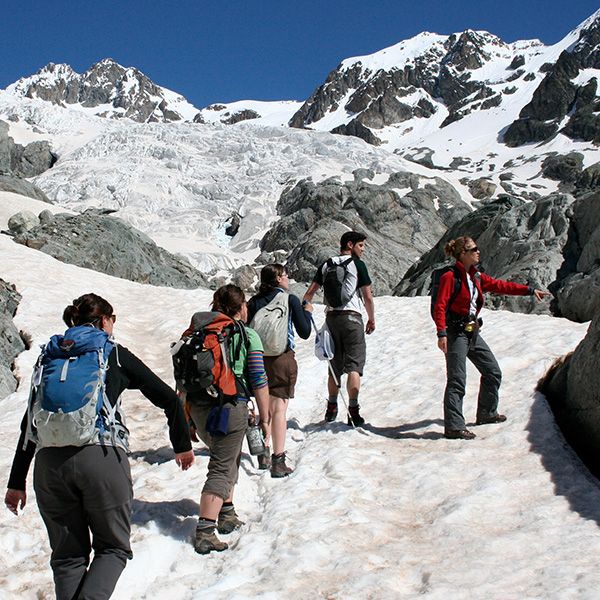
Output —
(221, 417)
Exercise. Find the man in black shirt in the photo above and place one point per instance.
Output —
(344, 319)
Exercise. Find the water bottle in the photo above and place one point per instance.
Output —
(256, 442)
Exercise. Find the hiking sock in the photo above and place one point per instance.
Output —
(332, 399)
(227, 506)
(352, 402)
(206, 524)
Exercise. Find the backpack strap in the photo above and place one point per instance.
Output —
(457, 286)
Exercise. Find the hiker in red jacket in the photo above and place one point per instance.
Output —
(455, 314)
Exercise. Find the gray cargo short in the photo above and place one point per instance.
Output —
(348, 335)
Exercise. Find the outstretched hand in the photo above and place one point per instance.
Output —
(15, 500)
(185, 459)
(540, 294)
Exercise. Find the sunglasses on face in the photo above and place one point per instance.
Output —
(472, 250)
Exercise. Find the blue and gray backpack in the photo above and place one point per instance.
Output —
(68, 405)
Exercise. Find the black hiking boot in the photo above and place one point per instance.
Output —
(278, 466)
(354, 417)
(264, 459)
(228, 521)
(331, 412)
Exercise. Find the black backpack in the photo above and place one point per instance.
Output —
(434, 288)
(334, 278)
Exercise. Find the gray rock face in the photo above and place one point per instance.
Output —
(416, 280)
(444, 71)
(11, 343)
(23, 161)
(22, 222)
(578, 291)
(572, 390)
(400, 219)
(558, 95)
(16, 185)
(242, 115)
(550, 243)
(481, 188)
(127, 91)
(107, 244)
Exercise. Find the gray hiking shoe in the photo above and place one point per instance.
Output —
(228, 521)
(278, 466)
(206, 541)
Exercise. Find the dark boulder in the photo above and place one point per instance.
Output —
(11, 344)
(104, 243)
(401, 219)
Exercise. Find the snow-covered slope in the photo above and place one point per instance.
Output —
(181, 182)
(392, 511)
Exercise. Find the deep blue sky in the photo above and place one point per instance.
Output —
(269, 50)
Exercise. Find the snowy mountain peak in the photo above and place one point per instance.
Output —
(106, 89)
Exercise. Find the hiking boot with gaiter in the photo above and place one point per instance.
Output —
(278, 466)
(331, 412)
(354, 417)
(206, 541)
(228, 521)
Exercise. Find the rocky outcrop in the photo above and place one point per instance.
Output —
(95, 240)
(125, 91)
(571, 387)
(20, 161)
(16, 185)
(560, 95)
(430, 70)
(401, 218)
(11, 343)
(417, 278)
(550, 243)
(241, 115)
(578, 290)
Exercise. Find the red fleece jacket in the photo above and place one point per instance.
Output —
(461, 304)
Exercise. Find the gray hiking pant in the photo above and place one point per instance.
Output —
(225, 450)
(460, 347)
(83, 491)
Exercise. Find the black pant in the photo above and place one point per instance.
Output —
(460, 347)
(83, 491)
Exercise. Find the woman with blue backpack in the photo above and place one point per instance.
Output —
(74, 421)
(274, 313)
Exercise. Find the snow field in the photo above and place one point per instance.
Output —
(390, 511)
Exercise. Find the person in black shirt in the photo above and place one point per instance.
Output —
(83, 490)
(345, 323)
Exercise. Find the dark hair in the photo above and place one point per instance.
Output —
(228, 299)
(87, 309)
(456, 247)
(268, 277)
(351, 236)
